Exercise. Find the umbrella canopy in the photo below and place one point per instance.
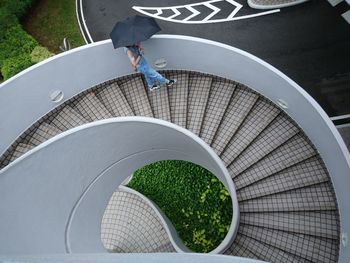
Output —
(132, 30)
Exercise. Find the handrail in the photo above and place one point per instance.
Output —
(82, 68)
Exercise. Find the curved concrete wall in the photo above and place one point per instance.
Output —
(167, 224)
(25, 98)
(53, 202)
(129, 258)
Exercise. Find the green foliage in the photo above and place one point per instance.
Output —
(195, 201)
(52, 21)
(7, 20)
(14, 65)
(16, 7)
(39, 54)
(15, 44)
(15, 47)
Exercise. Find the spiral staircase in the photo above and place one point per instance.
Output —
(288, 208)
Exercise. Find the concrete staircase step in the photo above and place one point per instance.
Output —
(236, 249)
(135, 93)
(91, 108)
(220, 94)
(178, 96)
(160, 103)
(267, 252)
(306, 173)
(68, 118)
(312, 223)
(241, 103)
(44, 132)
(295, 150)
(313, 198)
(21, 149)
(309, 247)
(256, 121)
(280, 130)
(198, 94)
(114, 100)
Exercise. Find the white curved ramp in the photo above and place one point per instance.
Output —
(54, 196)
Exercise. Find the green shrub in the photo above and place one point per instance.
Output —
(16, 45)
(40, 53)
(16, 7)
(7, 20)
(14, 65)
(54, 21)
(195, 201)
(16, 42)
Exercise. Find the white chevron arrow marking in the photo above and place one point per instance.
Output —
(189, 19)
(159, 12)
(234, 12)
(176, 13)
(215, 11)
(194, 11)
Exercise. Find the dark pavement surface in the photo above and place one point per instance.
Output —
(309, 42)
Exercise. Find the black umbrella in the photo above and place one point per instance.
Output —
(132, 30)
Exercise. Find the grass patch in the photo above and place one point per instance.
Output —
(195, 201)
(51, 21)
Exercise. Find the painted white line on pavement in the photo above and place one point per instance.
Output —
(149, 11)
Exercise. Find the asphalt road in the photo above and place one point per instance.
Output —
(309, 42)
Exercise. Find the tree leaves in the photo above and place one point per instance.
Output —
(195, 201)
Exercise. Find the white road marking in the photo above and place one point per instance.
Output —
(84, 25)
(335, 2)
(176, 13)
(340, 117)
(159, 12)
(346, 16)
(214, 8)
(194, 12)
(234, 12)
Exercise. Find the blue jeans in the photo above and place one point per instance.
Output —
(151, 76)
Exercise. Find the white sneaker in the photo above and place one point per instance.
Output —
(171, 82)
(154, 87)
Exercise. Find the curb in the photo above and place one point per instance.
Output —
(81, 21)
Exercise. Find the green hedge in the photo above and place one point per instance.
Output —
(15, 49)
(14, 65)
(16, 42)
(194, 200)
(16, 7)
(39, 54)
(7, 20)
(16, 45)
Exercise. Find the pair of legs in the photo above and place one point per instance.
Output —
(152, 76)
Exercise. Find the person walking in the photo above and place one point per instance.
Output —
(139, 64)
